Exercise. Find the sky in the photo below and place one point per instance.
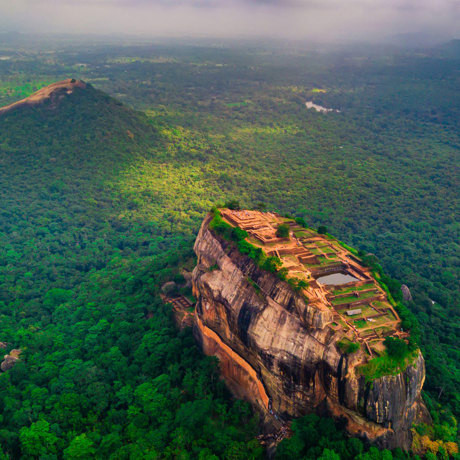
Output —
(322, 20)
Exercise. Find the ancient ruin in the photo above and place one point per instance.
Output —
(297, 342)
(317, 259)
(183, 310)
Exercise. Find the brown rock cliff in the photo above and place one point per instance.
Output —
(278, 353)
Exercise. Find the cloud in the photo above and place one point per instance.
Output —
(303, 19)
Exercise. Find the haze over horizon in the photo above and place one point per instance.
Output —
(326, 20)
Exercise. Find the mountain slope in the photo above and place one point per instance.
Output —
(54, 167)
(102, 372)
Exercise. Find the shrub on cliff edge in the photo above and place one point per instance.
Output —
(348, 347)
(271, 264)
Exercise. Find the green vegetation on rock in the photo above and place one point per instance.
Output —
(347, 346)
(396, 358)
(271, 264)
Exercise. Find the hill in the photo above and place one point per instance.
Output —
(49, 95)
(102, 371)
(55, 168)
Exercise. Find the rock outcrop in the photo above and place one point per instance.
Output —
(49, 95)
(10, 360)
(278, 352)
(407, 296)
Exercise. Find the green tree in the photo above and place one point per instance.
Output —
(80, 448)
(301, 221)
(37, 440)
(283, 231)
(396, 348)
(55, 297)
(272, 264)
(329, 454)
(232, 204)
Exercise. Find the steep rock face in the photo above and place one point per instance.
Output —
(277, 352)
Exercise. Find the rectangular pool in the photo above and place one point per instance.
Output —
(336, 279)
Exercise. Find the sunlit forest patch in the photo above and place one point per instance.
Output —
(172, 195)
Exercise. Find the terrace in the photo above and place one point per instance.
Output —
(337, 279)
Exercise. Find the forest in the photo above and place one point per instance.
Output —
(101, 200)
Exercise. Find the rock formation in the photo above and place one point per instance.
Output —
(49, 95)
(280, 352)
(407, 296)
(10, 360)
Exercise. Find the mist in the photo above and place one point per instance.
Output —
(319, 20)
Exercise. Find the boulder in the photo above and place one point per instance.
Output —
(188, 277)
(407, 296)
(10, 360)
(169, 288)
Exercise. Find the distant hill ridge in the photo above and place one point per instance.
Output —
(50, 95)
(71, 123)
